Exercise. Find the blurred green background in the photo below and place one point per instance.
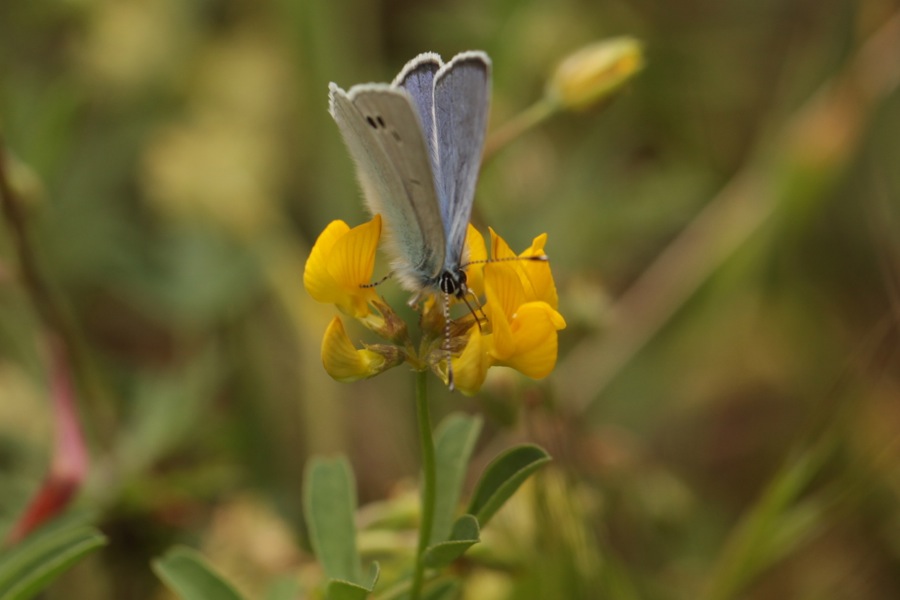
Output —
(724, 235)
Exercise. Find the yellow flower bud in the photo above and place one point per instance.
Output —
(594, 73)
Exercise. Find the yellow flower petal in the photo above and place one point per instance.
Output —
(537, 279)
(316, 279)
(504, 294)
(470, 368)
(477, 253)
(536, 276)
(353, 255)
(340, 263)
(343, 361)
(534, 328)
(502, 289)
(500, 250)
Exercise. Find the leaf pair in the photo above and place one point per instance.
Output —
(454, 442)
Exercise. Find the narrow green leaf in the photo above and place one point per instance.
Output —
(29, 567)
(773, 527)
(185, 572)
(464, 535)
(329, 504)
(454, 440)
(66, 522)
(503, 477)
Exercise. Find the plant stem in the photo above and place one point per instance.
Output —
(428, 481)
(49, 305)
(529, 118)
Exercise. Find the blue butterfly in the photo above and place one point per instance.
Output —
(417, 144)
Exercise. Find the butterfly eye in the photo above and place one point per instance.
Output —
(460, 283)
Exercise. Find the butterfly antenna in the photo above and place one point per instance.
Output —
(376, 283)
(483, 261)
(447, 341)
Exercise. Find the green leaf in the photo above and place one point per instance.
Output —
(442, 590)
(30, 566)
(185, 572)
(284, 587)
(454, 440)
(345, 590)
(329, 504)
(503, 477)
(465, 534)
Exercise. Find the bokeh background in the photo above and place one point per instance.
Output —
(725, 236)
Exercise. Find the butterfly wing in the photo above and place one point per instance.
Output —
(417, 78)
(382, 130)
(461, 104)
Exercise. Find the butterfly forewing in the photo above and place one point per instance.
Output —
(461, 104)
(382, 130)
(417, 78)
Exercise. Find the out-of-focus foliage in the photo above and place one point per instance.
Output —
(723, 420)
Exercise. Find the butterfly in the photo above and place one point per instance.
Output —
(417, 144)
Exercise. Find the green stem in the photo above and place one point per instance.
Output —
(428, 481)
(527, 119)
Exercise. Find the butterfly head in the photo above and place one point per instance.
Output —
(453, 283)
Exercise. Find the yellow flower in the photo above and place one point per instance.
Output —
(519, 303)
(523, 330)
(595, 72)
(341, 263)
(522, 319)
(344, 362)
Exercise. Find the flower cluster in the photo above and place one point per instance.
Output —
(515, 325)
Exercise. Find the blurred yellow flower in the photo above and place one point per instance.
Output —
(593, 73)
